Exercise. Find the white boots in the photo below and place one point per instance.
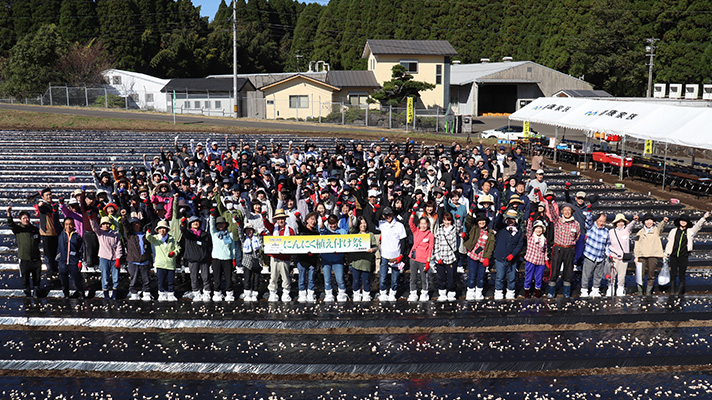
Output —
(217, 296)
(424, 296)
(595, 292)
(383, 295)
(510, 295)
(451, 296)
(584, 293)
(442, 296)
(273, 298)
(328, 296)
(498, 294)
(286, 298)
(341, 297)
(365, 296)
(413, 296)
(310, 296)
(302, 298)
(470, 294)
(357, 296)
(230, 296)
(197, 296)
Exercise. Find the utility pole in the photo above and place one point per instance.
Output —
(650, 49)
(234, 55)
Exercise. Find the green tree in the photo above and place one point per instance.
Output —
(7, 35)
(44, 12)
(32, 62)
(400, 87)
(21, 18)
(119, 27)
(77, 20)
(327, 41)
(303, 39)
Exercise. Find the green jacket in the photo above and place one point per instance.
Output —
(161, 250)
(363, 261)
(28, 240)
(230, 217)
(473, 234)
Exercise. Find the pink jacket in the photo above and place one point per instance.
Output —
(623, 236)
(110, 247)
(422, 242)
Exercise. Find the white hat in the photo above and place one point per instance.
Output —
(539, 223)
(214, 143)
(373, 193)
(540, 172)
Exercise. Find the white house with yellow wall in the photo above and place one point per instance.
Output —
(426, 60)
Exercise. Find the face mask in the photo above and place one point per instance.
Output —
(229, 206)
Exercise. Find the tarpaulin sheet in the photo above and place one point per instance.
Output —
(675, 124)
(463, 351)
(55, 312)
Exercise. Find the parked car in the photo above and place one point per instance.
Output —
(509, 132)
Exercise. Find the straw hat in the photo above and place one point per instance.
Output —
(619, 217)
(162, 224)
(485, 198)
(105, 220)
(279, 213)
(515, 199)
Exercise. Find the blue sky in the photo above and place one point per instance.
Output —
(208, 8)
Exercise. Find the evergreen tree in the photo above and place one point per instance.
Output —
(303, 39)
(119, 30)
(44, 12)
(400, 87)
(327, 41)
(31, 65)
(77, 20)
(21, 18)
(7, 35)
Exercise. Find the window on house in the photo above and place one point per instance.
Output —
(529, 69)
(207, 104)
(298, 101)
(270, 102)
(186, 104)
(196, 104)
(438, 74)
(410, 66)
(117, 80)
(149, 97)
(218, 104)
(134, 97)
(358, 99)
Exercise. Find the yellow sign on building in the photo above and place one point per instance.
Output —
(648, 148)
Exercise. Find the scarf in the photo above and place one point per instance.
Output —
(286, 231)
(251, 245)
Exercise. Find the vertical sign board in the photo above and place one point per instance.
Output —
(409, 114)
(648, 148)
(526, 129)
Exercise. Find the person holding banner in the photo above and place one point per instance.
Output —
(306, 263)
(279, 267)
(333, 262)
(362, 263)
(392, 235)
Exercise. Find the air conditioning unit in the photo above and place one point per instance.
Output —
(691, 91)
(467, 124)
(707, 91)
(675, 91)
(659, 90)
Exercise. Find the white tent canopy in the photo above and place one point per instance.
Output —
(674, 124)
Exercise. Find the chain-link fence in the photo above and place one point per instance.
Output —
(296, 108)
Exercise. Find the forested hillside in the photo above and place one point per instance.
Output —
(602, 41)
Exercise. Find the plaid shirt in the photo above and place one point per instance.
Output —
(565, 232)
(597, 240)
(537, 253)
(445, 245)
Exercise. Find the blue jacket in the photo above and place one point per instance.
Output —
(505, 243)
(332, 258)
(69, 248)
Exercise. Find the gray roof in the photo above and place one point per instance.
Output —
(584, 93)
(462, 74)
(204, 84)
(409, 47)
(260, 80)
(343, 79)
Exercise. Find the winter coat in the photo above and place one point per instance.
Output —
(423, 242)
(110, 247)
(161, 249)
(197, 246)
(28, 240)
(70, 248)
(691, 233)
(649, 244)
(224, 243)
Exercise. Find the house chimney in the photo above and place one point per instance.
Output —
(507, 59)
(484, 60)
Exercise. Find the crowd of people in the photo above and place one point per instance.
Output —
(202, 211)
